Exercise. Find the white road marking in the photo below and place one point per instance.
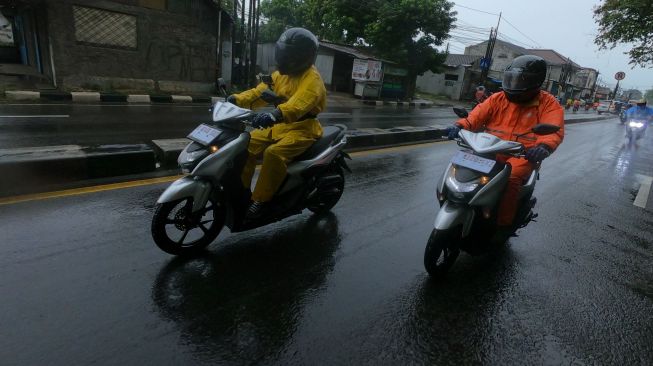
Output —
(40, 116)
(644, 189)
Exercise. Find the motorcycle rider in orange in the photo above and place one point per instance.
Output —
(516, 110)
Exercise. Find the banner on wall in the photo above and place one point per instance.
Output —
(366, 70)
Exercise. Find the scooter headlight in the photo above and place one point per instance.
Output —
(636, 124)
(464, 187)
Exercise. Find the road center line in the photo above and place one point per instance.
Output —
(644, 189)
(40, 116)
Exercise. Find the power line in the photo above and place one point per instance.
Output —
(480, 11)
(520, 32)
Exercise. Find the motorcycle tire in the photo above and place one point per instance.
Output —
(328, 196)
(441, 252)
(161, 222)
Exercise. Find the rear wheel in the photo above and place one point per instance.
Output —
(177, 230)
(441, 252)
(328, 194)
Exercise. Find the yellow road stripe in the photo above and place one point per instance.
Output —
(86, 190)
(145, 182)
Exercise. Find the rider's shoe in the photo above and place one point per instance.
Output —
(258, 210)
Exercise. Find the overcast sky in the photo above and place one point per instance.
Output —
(566, 26)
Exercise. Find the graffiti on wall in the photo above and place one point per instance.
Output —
(187, 62)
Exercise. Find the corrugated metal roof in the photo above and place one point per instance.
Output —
(351, 51)
(552, 57)
(459, 59)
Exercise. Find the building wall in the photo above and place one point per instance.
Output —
(174, 40)
(324, 62)
(502, 56)
(438, 83)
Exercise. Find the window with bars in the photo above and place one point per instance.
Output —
(105, 28)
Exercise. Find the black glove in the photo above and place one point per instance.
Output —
(538, 153)
(231, 99)
(265, 120)
(452, 132)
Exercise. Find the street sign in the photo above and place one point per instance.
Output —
(485, 63)
(620, 75)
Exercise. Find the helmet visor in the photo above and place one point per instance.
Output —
(516, 80)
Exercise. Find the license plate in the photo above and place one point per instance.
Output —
(474, 162)
(204, 134)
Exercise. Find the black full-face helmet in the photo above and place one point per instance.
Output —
(295, 51)
(523, 77)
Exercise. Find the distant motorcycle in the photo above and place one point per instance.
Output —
(469, 193)
(635, 130)
(193, 210)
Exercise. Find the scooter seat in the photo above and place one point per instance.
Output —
(329, 135)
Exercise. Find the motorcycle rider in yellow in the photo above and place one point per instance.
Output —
(292, 127)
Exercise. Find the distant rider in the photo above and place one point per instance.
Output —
(292, 127)
(516, 110)
(640, 112)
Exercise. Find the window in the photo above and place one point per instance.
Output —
(105, 28)
(451, 77)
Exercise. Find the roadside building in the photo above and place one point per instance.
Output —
(350, 70)
(160, 45)
(454, 80)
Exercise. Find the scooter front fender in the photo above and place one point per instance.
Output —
(185, 187)
(452, 215)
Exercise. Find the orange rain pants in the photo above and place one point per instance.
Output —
(521, 171)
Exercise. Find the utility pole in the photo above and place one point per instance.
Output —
(614, 93)
(489, 50)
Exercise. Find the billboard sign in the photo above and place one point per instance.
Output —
(366, 70)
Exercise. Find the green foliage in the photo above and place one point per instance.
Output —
(629, 22)
(649, 95)
(404, 31)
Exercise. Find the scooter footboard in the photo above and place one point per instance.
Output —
(452, 215)
(186, 187)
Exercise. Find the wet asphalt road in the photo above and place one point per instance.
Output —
(82, 283)
(27, 125)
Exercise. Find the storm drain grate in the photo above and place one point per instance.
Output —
(105, 28)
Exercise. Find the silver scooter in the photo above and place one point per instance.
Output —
(193, 210)
(469, 193)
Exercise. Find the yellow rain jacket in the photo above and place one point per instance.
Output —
(305, 97)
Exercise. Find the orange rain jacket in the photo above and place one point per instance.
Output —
(506, 120)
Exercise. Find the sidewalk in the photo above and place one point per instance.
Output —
(334, 99)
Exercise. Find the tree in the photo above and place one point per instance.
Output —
(403, 31)
(629, 22)
(649, 95)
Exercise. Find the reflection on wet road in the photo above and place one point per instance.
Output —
(82, 282)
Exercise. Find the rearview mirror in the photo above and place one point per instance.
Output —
(545, 129)
(461, 112)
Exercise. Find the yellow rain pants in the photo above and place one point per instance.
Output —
(305, 97)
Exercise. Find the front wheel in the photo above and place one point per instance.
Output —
(177, 230)
(441, 252)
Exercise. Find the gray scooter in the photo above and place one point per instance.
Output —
(193, 210)
(469, 193)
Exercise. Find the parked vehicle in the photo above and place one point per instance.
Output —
(469, 193)
(194, 209)
(605, 106)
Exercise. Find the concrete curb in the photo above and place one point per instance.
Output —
(29, 170)
(32, 170)
(95, 97)
(398, 104)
